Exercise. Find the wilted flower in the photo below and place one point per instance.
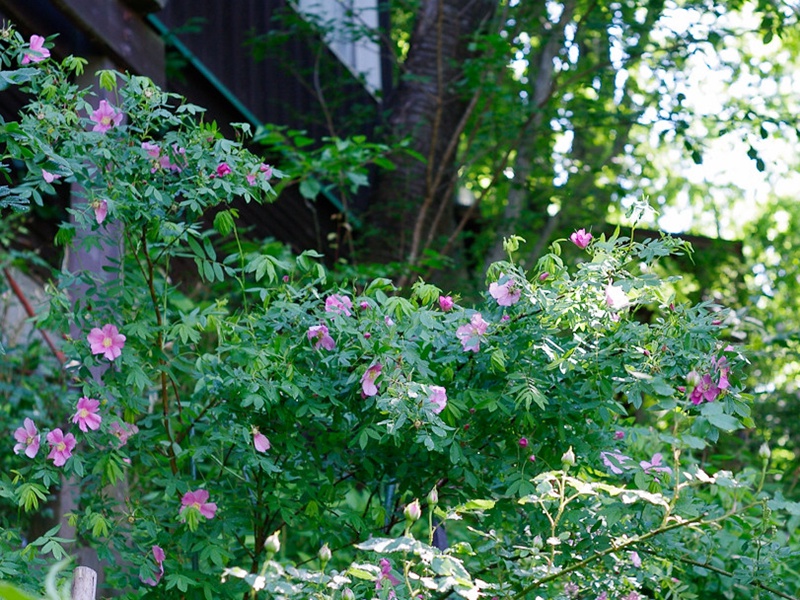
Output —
(616, 299)
(50, 177)
(386, 573)
(260, 441)
(100, 208)
(159, 555)
(122, 431)
(319, 335)
(614, 460)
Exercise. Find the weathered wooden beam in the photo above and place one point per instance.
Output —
(84, 582)
(122, 32)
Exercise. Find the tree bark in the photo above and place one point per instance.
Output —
(415, 202)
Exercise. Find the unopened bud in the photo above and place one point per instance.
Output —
(433, 496)
(568, 458)
(273, 543)
(324, 554)
(764, 451)
(347, 594)
(693, 378)
(413, 511)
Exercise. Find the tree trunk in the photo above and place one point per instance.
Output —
(414, 203)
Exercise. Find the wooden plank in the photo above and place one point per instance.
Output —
(121, 31)
(84, 582)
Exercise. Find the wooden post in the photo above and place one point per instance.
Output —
(84, 581)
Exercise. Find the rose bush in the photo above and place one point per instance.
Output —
(216, 442)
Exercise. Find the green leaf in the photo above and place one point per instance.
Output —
(107, 79)
(310, 188)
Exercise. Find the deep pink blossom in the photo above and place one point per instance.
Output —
(616, 299)
(224, 169)
(107, 341)
(336, 303)
(37, 53)
(544, 276)
(87, 416)
(506, 293)
(386, 574)
(581, 238)
(260, 441)
(50, 177)
(100, 208)
(446, 303)
(319, 335)
(199, 500)
(105, 117)
(368, 387)
(122, 431)
(61, 446)
(619, 435)
(470, 335)
(706, 390)
(159, 556)
(614, 460)
(28, 439)
(438, 397)
(523, 442)
(654, 465)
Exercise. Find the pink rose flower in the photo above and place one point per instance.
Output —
(260, 441)
(615, 461)
(581, 238)
(100, 208)
(446, 303)
(386, 575)
(37, 52)
(506, 293)
(159, 555)
(87, 416)
(319, 335)
(368, 387)
(50, 177)
(122, 431)
(105, 117)
(61, 446)
(654, 465)
(199, 500)
(470, 335)
(27, 438)
(336, 303)
(224, 169)
(438, 397)
(619, 435)
(107, 341)
(523, 442)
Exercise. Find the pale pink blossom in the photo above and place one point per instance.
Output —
(260, 441)
(581, 238)
(61, 446)
(336, 303)
(87, 416)
(107, 341)
(100, 208)
(159, 556)
(506, 293)
(470, 335)
(199, 500)
(654, 465)
(368, 387)
(438, 397)
(105, 117)
(616, 299)
(388, 320)
(122, 431)
(446, 303)
(615, 461)
(153, 150)
(37, 52)
(264, 170)
(50, 177)
(318, 334)
(636, 560)
(386, 574)
(28, 439)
